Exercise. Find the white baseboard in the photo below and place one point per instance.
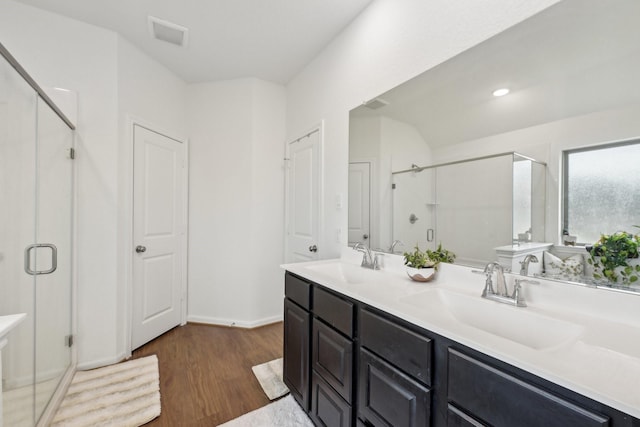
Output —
(92, 364)
(234, 323)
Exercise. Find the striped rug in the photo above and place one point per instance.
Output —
(269, 376)
(123, 395)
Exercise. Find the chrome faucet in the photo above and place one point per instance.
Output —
(524, 269)
(369, 260)
(501, 293)
(488, 270)
(392, 248)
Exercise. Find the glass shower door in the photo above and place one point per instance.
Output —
(35, 248)
(17, 231)
(53, 254)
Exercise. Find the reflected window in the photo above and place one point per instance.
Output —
(601, 190)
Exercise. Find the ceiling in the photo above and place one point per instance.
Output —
(574, 58)
(269, 39)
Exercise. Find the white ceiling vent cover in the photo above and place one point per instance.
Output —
(168, 31)
(375, 103)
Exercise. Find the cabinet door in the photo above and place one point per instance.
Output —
(332, 358)
(500, 399)
(387, 397)
(327, 407)
(296, 352)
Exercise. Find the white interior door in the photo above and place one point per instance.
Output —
(359, 203)
(158, 228)
(303, 199)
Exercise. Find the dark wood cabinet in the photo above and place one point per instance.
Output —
(350, 364)
(502, 400)
(388, 397)
(296, 352)
(319, 351)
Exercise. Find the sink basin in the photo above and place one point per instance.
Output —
(344, 272)
(519, 325)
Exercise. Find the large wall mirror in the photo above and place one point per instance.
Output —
(440, 158)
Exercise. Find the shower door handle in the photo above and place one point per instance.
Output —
(27, 259)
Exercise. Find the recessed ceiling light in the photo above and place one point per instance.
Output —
(500, 92)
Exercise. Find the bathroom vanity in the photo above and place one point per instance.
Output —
(373, 348)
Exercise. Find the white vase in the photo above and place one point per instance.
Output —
(426, 274)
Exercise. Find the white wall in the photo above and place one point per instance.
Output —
(267, 232)
(113, 80)
(151, 95)
(390, 42)
(60, 52)
(390, 145)
(401, 146)
(236, 201)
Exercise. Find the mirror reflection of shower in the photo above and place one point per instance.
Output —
(470, 206)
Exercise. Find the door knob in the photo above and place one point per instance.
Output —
(313, 248)
(365, 236)
(141, 249)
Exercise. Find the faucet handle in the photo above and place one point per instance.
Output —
(517, 291)
(378, 261)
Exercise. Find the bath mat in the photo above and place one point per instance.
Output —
(123, 395)
(283, 413)
(269, 376)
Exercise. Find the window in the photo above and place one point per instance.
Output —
(601, 190)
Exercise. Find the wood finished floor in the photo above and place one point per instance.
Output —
(205, 372)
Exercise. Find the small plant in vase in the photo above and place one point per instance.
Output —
(611, 258)
(423, 265)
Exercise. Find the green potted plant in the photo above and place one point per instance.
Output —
(422, 265)
(612, 255)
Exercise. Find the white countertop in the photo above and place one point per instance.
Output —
(582, 338)
(7, 323)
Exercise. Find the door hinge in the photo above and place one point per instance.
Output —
(68, 340)
(72, 153)
(393, 186)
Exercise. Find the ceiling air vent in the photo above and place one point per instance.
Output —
(168, 31)
(375, 103)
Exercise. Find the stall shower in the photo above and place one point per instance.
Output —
(470, 206)
(36, 243)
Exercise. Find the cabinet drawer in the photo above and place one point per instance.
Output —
(399, 346)
(334, 310)
(297, 290)
(333, 358)
(457, 418)
(387, 397)
(327, 407)
(500, 399)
